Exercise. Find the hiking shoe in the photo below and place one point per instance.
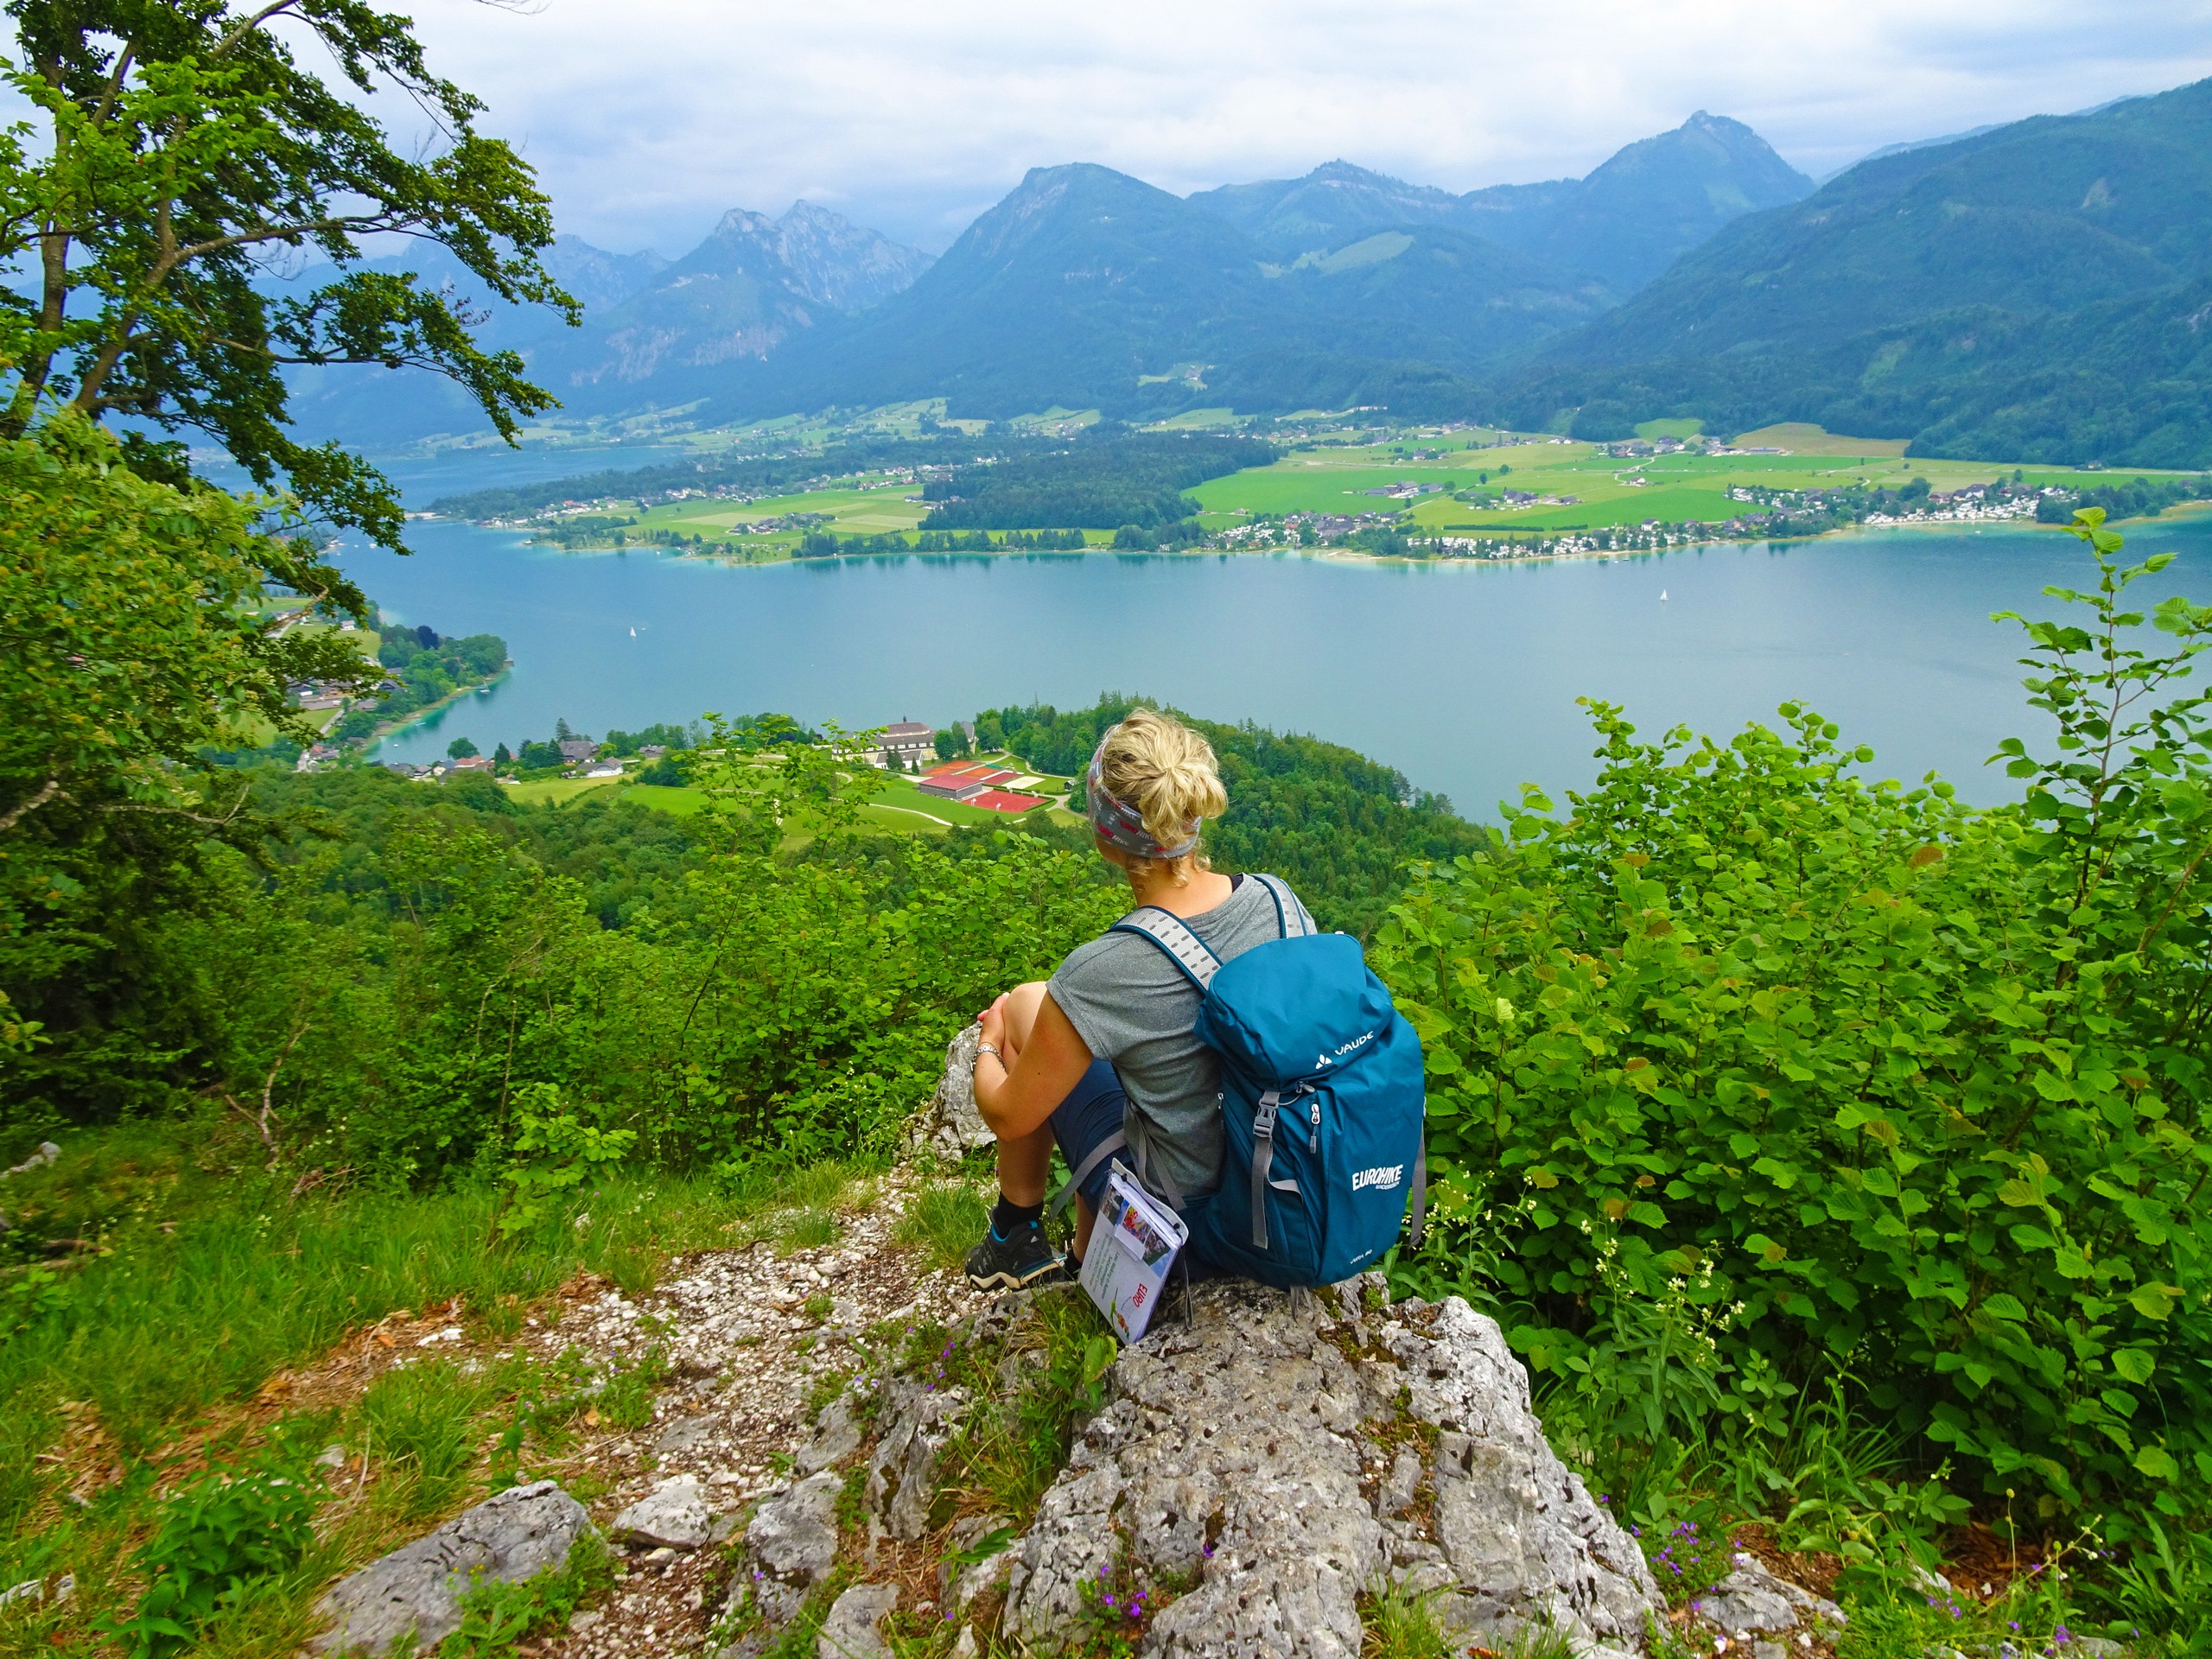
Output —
(1013, 1263)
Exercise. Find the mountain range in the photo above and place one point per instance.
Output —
(2039, 290)
(2035, 291)
(1085, 287)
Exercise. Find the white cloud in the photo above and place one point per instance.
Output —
(647, 118)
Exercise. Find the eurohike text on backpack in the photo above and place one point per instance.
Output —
(1322, 1102)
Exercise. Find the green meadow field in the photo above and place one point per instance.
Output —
(1335, 478)
(1672, 488)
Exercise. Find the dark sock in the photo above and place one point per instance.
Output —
(1007, 1215)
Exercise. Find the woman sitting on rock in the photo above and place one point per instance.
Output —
(1106, 1047)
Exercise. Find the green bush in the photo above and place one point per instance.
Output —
(1782, 1070)
(216, 1535)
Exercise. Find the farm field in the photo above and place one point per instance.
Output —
(1607, 491)
(1329, 477)
(852, 511)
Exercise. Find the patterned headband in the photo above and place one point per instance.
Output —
(1119, 824)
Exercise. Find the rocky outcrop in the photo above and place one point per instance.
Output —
(1263, 1452)
(678, 1514)
(949, 1125)
(1257, 1470)
(416, 1590)
(1753, 1601)
(852, 1628)
(1521, 1537)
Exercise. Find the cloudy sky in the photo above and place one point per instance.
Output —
(646, 118)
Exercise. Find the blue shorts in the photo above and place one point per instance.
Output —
(1090, 1115)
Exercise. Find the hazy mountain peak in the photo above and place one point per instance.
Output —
(1644, 205)
(1337, 203)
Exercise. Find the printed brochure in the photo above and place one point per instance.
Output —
(1132, 1247)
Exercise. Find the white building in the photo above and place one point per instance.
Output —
(903, 743)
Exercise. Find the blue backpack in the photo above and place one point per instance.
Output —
(1322, 1101)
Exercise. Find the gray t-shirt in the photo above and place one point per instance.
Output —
(1132, 1006)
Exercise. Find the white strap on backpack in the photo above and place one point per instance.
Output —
(1190, 953)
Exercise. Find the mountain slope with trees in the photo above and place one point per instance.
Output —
(1986, 298)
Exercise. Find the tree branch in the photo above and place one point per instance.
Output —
(52, 788)
(246, 26)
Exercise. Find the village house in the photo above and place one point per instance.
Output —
(575, 750)
(904, 743)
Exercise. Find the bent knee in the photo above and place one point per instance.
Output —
(1021, 1004)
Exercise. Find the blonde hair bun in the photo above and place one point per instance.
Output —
(1163, 769)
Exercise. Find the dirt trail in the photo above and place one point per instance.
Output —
(748, 1356)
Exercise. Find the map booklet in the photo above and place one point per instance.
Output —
(1132, 1246)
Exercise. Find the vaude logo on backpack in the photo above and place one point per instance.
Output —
(1321, 1099)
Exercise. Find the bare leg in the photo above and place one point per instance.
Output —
(1025, 1160)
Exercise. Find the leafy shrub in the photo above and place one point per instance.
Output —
(216, 1535)
(554, 1154)
(1886, 1081)
(496, 1614)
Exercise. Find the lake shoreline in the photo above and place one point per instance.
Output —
(1346, 555)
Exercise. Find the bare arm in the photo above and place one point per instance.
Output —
(1017, 1094)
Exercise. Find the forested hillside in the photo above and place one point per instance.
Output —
(1338, 827)
(2035, 292)
(1100, 482)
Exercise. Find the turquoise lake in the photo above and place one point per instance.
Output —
(1463, 676)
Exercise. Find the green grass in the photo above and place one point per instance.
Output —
(207, 1275)
(145, 1356)
(559, 791)
(852, 511)
(1682, 487)
(944, 1222)
(666, 797)
(1397, 1623)
(1015, 1442)
(418, 1418)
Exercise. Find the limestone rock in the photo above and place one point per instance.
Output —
(512, 1536)
(683, 1434)
(47, 1152)
(849, 1631)
(949, 1124)
(793, 1534)
(1522, 1535)
(1753, 1601)
(918, 1422)
(1233, 1452)
(836, 1436)
(675, 1515)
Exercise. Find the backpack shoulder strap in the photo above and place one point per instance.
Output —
(1184, 948)
(1290, 915)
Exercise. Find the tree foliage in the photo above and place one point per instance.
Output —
(1849, 1077)
(177, 152)
(1097, 484)
(133, 635)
